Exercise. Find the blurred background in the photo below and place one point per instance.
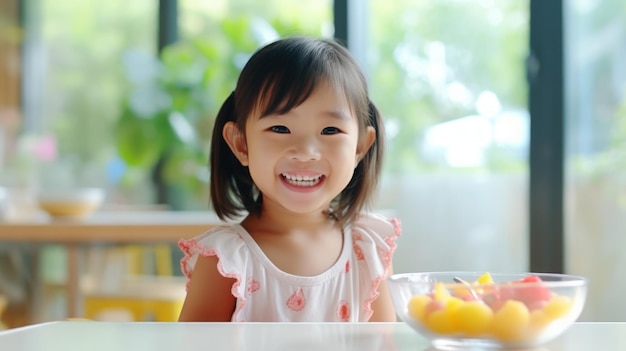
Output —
(506, 120)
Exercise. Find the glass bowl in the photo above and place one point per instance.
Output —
(488, 310)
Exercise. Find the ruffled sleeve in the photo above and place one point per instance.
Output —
(374, 243)
(224, 242)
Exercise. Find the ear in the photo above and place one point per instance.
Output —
(236, 141)
(364, 144)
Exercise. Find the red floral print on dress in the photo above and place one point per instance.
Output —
(358, 252)
(357, 249)
(347, 269)
(343, 312)
(296, 301)
(252, 285)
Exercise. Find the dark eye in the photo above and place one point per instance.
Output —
(330, 130)
(279, 129)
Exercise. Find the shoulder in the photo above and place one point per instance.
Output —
(377, 225)
(222, 234)
(225, 235)
(374, 239)
(224, 241)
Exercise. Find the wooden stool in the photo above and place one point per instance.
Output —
(3, 305)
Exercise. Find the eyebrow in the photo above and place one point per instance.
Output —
(338, 114)
(335, 114)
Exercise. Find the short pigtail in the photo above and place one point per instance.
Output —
(227, 174)
(358, 195)
(376, 152)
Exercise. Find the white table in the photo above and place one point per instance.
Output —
(104, 227)
(140, 336)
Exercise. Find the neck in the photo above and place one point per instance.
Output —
(280, 220)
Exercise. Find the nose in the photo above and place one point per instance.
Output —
(305, 149)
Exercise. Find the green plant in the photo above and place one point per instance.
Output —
(167, 115)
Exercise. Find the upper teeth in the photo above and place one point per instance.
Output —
(300, 178)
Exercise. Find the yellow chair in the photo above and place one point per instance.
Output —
(123, 290)
(3, 305)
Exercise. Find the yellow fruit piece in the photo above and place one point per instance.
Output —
(440, 322)
(557, 307)
(441, 292)
(443, 320)
(451, 307)
(511, 321)
(452, 303)
(537, 322)
(474, 318)
(416, 306)
(485, 279)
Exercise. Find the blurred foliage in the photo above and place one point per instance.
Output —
(107, 84)
(429, 61)
(90, 48)
(596, 101)
(610, 161)
(78, 46)
(169, 111)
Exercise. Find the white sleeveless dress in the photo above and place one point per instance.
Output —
(264, 293)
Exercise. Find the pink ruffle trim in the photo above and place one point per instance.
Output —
(387, 258)
(190, 247)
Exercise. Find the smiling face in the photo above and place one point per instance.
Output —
(302, 159)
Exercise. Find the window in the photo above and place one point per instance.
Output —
(449, 78)
(596, 152)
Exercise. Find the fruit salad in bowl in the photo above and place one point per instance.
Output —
(465, 309)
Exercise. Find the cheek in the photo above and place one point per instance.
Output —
(344, 153)
(260, 151)
(344, 159)
(262, 157)
(345, 148)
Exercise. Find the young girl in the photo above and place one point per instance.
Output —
(296, 151)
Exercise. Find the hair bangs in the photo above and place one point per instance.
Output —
(353, 86)
(293, 70)
(289, 88)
